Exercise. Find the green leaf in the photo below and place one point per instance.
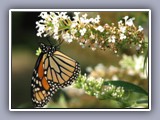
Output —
(127, 86)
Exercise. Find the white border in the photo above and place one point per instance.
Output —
(39, 10)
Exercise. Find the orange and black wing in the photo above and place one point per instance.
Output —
(61, 70)
(41, 89)
(50, 74)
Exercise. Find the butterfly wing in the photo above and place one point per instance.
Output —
(61, 70)
(41, 89)
(51, 73)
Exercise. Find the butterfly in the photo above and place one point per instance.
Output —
(53, 70)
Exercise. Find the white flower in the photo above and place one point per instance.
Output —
(112, 39)
(76, 13)
(102, 93)
(40, 30)
(55, 20)
(100, 69)
(93, 48)
(44, 15)
(74, 24)
(139, 62)
(138, 47)
(84, 20)
(39, 34)
(83, 31)
(134, 65)
(100, 28)
(63, 15)
(125, 18)
(131, 72)
(56, 29)
(76, 17)
(123, 29)
(120, 22)
(73, 31)
(92, 36)
(118, 90)
(140, 28)
(114, 77)
(45, 35)
(89, 69)
(110, 87)
(115, 51)
(55, 36)
(114, 94)
(130, 22)
(81, 43)
(52, 14)
(97, 19)
(122, 36)
(38, 24)
(84, 15)
(67, 37)
(113, 68)
(69, 40)
(91, 20)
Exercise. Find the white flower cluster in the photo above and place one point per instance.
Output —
(88, 31)
(131, 69)
(134, 65)
(116, 92)
(122, 26)
(55, 25)
(50, 24)
(94, 87)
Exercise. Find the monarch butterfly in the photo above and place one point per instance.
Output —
(53, 70)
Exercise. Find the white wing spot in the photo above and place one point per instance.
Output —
(44, 92)
(40, 84)
(36, 81)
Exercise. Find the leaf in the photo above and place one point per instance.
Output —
(127, 86)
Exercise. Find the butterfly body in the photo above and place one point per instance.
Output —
(53, 70)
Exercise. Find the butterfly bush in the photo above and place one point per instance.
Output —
(130, 69)
(88, 32)
(95, 87)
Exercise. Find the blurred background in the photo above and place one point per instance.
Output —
(25, 44)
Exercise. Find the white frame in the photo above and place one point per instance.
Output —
(81, 10)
